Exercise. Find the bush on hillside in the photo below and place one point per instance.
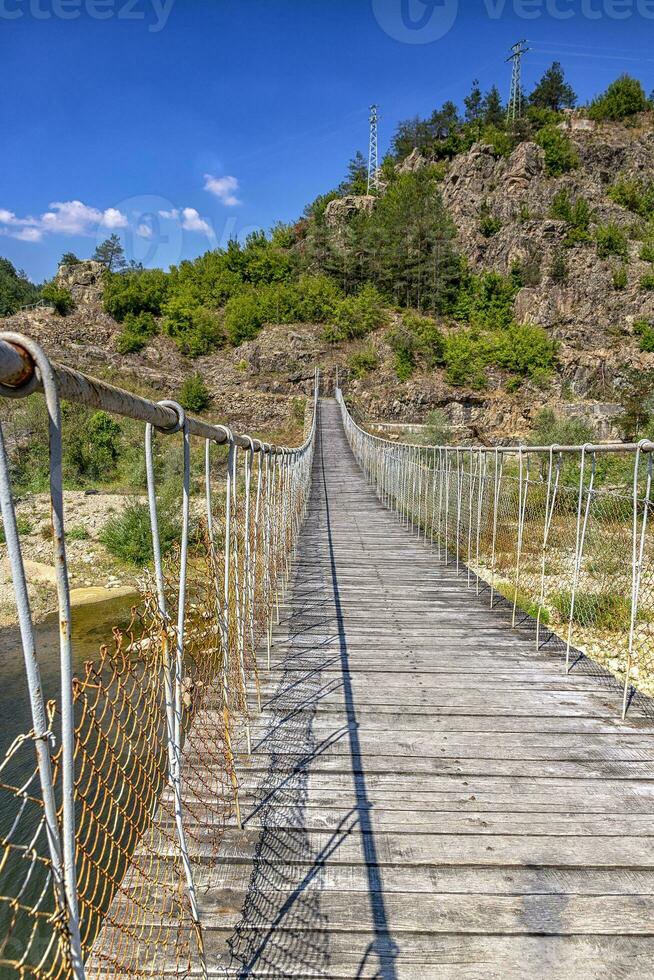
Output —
(136, 291)
(194, 395)
(560, 153)
(486, 300)
(59, 298)
(633, 194)
(623, 98)
(243, 318)
(128, 537)
(644, 330)
(195, 329)
(356, 316)
(611, 240)
(551, 430)
(91, 450)
(363, 361)
(138, 329)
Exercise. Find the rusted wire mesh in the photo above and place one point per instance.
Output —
(159, 718)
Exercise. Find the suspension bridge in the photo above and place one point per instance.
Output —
(361, 726)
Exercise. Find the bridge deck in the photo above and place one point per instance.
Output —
(428, 797)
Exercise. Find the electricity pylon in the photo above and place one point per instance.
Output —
(514, 111)
(373, 152)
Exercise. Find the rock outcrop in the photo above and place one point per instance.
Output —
(84, 281)
(341, 210)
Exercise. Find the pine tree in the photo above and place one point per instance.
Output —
(111, 254)
(474, 104)
(552, 91)
(493, 108)
(356, 181)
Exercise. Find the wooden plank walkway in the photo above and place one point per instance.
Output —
(428, 797)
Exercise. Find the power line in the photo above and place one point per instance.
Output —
(373, 151)
(514, 111)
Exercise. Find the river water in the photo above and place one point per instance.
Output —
(92, 624)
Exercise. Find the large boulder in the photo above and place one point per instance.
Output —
(414, 161)
(84, 281)
(342, 209)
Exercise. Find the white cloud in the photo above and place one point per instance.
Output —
(191, 221)
(28, 234)
(173, 215)
(224, 188)
(63, 218)
(144, 231)
(112, 218)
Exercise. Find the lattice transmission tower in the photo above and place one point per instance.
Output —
(514, 111)
(373, 152)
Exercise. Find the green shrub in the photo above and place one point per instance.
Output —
(466, 358)
(647, 252)
(623, 98)
(560, 153)
(194, 328)
(633, 194)
(363, 361)
(526, 272)
(525, 350)
(91, 450)
(243, 318)
(486, 300)
(605, 611)
(59, 298)
(502, 142)
(128, 536)
(611, 240)
(319, 297)
(437, 430)
(402, 341)
(647, 281)
(644, 330)
(620, 277)
(194, 395)
(428, 340)
(577, 214)
(357, 315)
(550, 430)
(136, 291)
(137, 329)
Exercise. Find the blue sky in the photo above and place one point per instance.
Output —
(179, 123)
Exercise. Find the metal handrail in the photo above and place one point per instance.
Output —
(466, 500)
(283, 481)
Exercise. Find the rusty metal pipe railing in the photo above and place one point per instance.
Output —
(19, 376)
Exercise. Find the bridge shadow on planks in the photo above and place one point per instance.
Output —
(282, 930)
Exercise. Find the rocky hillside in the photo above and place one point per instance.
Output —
(589, 301)
(580, 242)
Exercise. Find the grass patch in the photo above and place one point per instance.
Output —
(603, 610)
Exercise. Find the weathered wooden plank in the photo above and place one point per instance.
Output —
(429, 796)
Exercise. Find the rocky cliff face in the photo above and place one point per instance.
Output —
(83, 280)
